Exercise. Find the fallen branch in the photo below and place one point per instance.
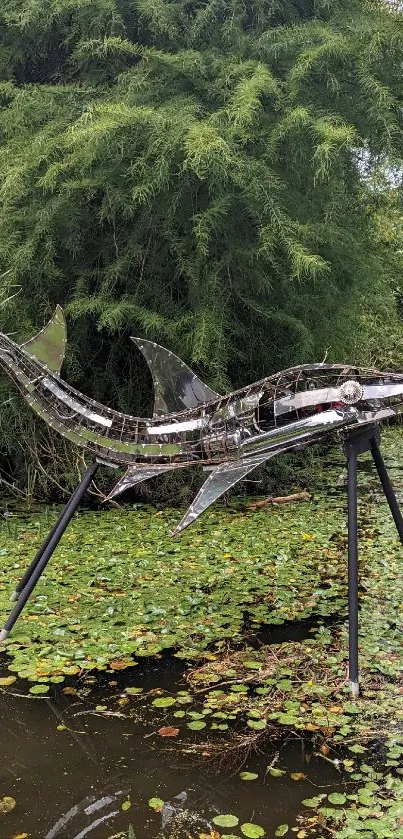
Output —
(281, 499)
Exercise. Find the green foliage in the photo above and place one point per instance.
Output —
(374, 809)
(189, 171)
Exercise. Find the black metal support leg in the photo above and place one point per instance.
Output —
(21, 585)
(41, 560)
(387, 487)
(357, 442)
(353, 672)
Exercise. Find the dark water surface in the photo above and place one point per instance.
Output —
(71, 783)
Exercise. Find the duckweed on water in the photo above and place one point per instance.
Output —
(372, 809)
(119, 587)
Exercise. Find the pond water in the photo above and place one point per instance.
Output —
(71, 768)
(85, 763)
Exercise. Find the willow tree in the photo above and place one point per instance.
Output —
(191, 170)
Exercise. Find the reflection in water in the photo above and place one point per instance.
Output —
(173, 807)
(65, 826)
(78, 773)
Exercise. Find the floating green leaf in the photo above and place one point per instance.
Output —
(226, 820)
(163, 701)
(38, 689)
(258, 725)
(251, 830)
(248, 776)
(155, 803)
(6, 681)
(313, 802)
(351, 708)
(337, 798)
(276, 773)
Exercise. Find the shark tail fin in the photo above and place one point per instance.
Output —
(220, 479)
(176, 386)
(49, 345)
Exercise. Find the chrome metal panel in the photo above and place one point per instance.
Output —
(301, 429)
(220, 480)
(177, 427)
(176, 386)
(136, 475)
(75, 405)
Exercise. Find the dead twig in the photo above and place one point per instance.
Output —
(280, 499)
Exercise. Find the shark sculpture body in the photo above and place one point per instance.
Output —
(192, 425)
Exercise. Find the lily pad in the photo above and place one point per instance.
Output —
(6, 681)
(163, 701)
(258, 725)
(337, 798)
(276, 773)
(155, 803)
(313, 802)
(38, 689)
(251, 830)
(197, 725)
(226, 820)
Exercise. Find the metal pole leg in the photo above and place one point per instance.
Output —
(21, 585)
(352, 572)
(47, 553)
(387, 487)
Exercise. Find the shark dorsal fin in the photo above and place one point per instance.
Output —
(49, 345)
(176, 386)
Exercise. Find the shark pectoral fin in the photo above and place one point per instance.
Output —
(49, 345)
(176, 386)
(137, 474)
(221, 479)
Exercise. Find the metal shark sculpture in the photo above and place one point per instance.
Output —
(193, 425)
